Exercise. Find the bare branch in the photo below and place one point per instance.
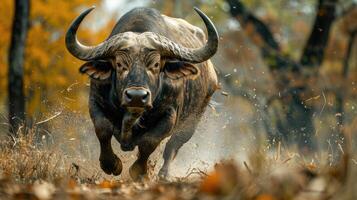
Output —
(316, 44)
(238, 9)
(48, 119)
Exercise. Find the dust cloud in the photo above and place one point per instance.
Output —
(223, 134)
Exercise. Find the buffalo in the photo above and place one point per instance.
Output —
(150, 79)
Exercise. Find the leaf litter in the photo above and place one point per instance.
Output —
(29, 172)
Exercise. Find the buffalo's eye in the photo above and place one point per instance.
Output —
(121, 66)
(154, 67)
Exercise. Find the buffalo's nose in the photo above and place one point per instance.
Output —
(136, 97)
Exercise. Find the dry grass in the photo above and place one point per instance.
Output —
(31, 172)
(22, 160)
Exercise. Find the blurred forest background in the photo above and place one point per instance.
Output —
(288, 71)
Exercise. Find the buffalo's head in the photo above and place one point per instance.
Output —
(136, 62)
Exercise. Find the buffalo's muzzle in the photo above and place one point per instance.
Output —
(137, 98)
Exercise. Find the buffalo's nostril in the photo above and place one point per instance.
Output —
(128, 95)
(145, 97)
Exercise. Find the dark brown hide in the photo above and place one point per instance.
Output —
(141, 93)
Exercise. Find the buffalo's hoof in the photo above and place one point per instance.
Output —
(137, 171)
(127, 147)
(111, 165)
(163, 174)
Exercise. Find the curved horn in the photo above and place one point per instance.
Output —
(77, 49)
(172, 49)
(87, 53)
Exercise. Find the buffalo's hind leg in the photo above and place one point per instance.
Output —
(139, 169)
(172, 147)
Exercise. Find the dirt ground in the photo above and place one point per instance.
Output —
(28, 172)
(31, 171)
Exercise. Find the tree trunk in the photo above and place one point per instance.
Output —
(310, 61)
(340, 97)
(16, 65)
(297, 123)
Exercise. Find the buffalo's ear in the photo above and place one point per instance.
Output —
(179, 69)
(99, 70)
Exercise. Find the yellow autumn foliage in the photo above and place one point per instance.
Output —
(49, 68)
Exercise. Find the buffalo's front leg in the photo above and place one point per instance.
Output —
(149, 141)
(109, 162)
